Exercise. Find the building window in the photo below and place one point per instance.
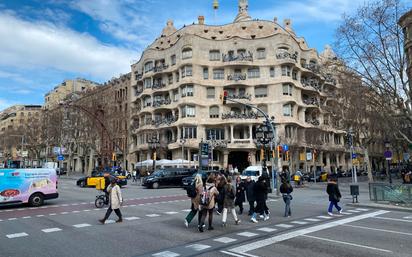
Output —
(261, 53)
(287, 110)
(295, 75)
(218, 74)
(205, 73)
(187, 53)
(187, 90)
(287, 89)
(214, 112)
(215, 134)
(173, 59)
(286, 71)
(337, 139)
(241, 51)
(264, 108)
(214, 55)
(170, 79)
(147, 83)
(188, 132)
(175, 95)
(211, 93)
(288, 131)
(187, 71)
(253, 73)
(147, 102)
(188, 111)
(177, 76)
(261, 91)
(148, 66)
(272, 72)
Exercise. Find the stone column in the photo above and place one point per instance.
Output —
(250, 134)
(231, 134)
(225, 158)
(252, 157)
(328, 169)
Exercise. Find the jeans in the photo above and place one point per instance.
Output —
(333, 203)
(286, 199)
(225, 214)
(251, 207)
(109, 211)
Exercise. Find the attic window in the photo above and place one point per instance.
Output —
(221, 31)
(161, 42)
(213, 37)
(253, 36)
(157, 47)
(168, 41)
(171, 44)
(276, 28)
(260, 27)
(244, 27)
(206, 30)
(178, 35)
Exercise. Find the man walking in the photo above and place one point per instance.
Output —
(115, 201)
(334, 195)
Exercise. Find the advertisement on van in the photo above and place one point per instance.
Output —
(27, 185)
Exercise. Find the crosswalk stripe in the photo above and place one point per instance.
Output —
(198, 247)
(225, 240)
(267, 229)
(324, 217)
(12, 219)
(166, 254)
(83, 225)
(354, 211)
(299, 222)
(152, 215)
(26, 217)
(17, 235)
(131, 218)
(362, 209)
(110, 222)
(346, 213)
(310, 219)
(40, 215)
(171, 212)
(186, 210)
(247, 234)
(50, 230)
(284, 226)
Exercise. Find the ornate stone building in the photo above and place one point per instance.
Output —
(178, 83)
(406, 23)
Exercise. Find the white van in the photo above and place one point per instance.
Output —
(254, 172)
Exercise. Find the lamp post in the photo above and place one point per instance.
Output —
(265, 135)
(182, 142)
(22, 145)
(388, 157)
(354, 174)
(153, 142)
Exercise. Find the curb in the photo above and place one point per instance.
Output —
(381, 206)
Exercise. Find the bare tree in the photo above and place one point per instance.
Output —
(371, 44)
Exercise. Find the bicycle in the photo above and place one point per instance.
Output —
(101, 201)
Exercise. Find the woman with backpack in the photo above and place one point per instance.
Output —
(240, 194)
(228, 202)
(207, 203)
(334, 195)
(193, 191)
(286, 189)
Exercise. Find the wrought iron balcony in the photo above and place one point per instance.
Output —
(287, 55)
(161, 102)
(312, 66)
(244, 116)
(242, 96)
(237, 76)
(160, 67)
(314, 122)
(138, 92)
(329, 79)
(312, 82)
(240, 57)
(164, 121)
(158, 85)
(311, 101)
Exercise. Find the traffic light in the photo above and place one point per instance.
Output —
(154, 155)
(279, 151)
(287, 155)
(262, 154)
(224, 96)
(114, 157)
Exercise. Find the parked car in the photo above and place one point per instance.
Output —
(254, 172)
(186, 181)
(61, 171)
(171, 177)
(91, 181)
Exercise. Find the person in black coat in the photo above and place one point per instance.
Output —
(334, 195)
(286, 189)
(240, 194)
(260, 192)
(249, 186)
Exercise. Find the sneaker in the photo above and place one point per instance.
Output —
(237, 222)
(261, 216)
(186, 223)
(210, 228)
(200, 228)
(119, 220)
(253, 220)
(102, 221)
(266, 217)
(330, 214)
(341, 210)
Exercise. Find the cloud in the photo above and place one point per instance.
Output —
(13, 76)
(34, 45)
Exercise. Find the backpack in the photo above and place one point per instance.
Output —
(230, 193)
(191, 190)
(205, 196)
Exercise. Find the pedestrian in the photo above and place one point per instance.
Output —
(220, 182)
(207, 203)
(260, 190)
(134, 176)
(286, 189)
(334, 195)
(240, 194)
(228, 202)
(115, 201)
(249, 185)
(198, 185)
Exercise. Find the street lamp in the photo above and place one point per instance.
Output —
(182, 142)
(354, 174)
(388, 156)
(153, 142)
(265, 135)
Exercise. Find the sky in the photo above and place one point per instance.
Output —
(44, 42)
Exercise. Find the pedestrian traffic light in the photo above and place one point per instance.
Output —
(287, 155)
(279, 151)
(224, 96)
(114, 157)
(154, 155)
(262, 154)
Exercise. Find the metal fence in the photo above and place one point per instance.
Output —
(395, 193)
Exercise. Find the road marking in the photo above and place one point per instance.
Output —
(324, 217)
(267, 229)
(171, 212)
(225, 240)
(354, 211)
(247, 234)
(133, 205)
(385, 218)
(378, 229)
(198, 247)
(96, 209)
(50, 230)
(74, 204)
(110, 222)
(346, 243)
(345, 213)
(286, 236)
(131, 218)
(65, 212)
(26, 217)
(41, 215)
(8, 210)
(152, 215)
(1, 220)
(166, 254)
(299, 222)
(362, 209)
(232, 254)
(12, 219)
(310, 219)
(65, 205)
(83, 225)
(86, 210)
(75, 211)
(186, 210)
(17, 235)
(53, 214)
(284, 226)
(84, 203)
(408, 217)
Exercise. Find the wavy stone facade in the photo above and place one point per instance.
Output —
(178, 82)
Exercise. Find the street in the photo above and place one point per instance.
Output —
(153, 226)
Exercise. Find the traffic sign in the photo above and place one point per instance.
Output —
(285, 148)
(388, 155)
(354, 156)
(60, 158)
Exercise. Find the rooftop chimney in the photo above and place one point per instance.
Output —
(201, 20)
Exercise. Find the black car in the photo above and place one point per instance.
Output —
(171, 177)
(189, 180)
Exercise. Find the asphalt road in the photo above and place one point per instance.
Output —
(153, 226)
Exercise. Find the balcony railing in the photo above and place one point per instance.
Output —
(311, 83)
(158, 103)
(244, 116)
(158, 85)
(314, 122)
(287, 55)
(312, 66)
(329, 79)
(237, 76)
(164, 121)
(160, 67)
(240, 57)
(139, 76)
(138, 92)
(311, 101)
(241, 96)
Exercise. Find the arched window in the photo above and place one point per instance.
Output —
(214, 112)
(261, 53)
(187, 53)
(288, 110)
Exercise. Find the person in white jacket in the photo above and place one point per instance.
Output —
(115, 201)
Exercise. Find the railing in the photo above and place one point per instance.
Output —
(164, 121)
(314, 122)
(242, 96)
(312, 82)
(312, 66)
(240, 57)
(236, 76)
(241, 141)
(330, 80)
(234, 115)
(160, 68)
(138, 92)
(139, 76)
(396, 193)
(158, 103)
(158, 85)
(287, 55)
(311, 101)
